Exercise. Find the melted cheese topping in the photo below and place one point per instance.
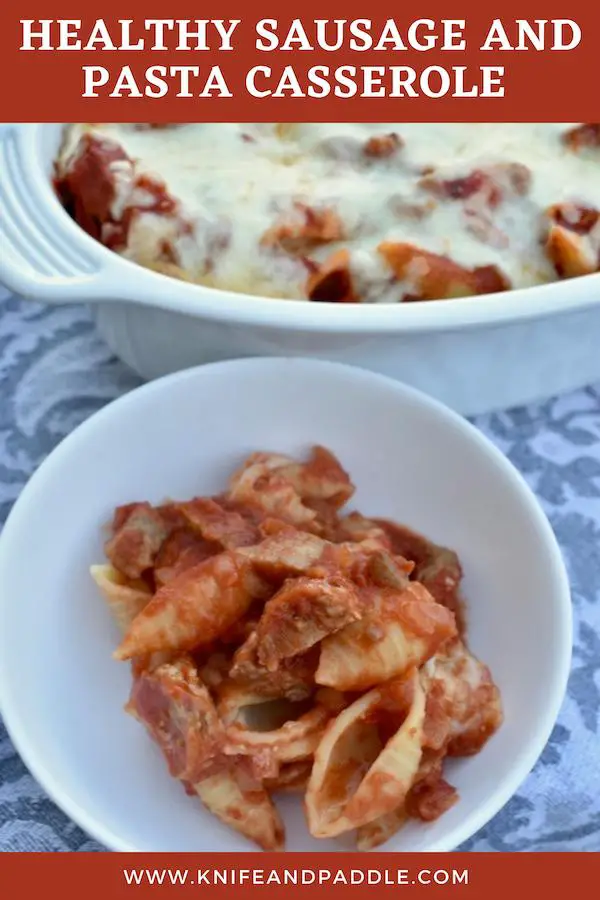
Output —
(236, 182)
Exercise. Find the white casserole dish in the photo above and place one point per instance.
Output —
(476, 354)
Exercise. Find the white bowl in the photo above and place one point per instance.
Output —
(61, 693)
(475, 353)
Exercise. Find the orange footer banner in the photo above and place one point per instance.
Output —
(485, 876)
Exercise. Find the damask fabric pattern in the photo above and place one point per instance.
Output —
(55, 371)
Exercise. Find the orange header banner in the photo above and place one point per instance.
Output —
(525, 60)
(472, 876)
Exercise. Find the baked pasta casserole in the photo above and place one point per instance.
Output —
(344, 213)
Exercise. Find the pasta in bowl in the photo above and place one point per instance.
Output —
(279, 704)
(272, 595)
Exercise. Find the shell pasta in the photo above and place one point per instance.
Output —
(280, 645)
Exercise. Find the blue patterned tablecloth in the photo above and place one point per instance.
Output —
(55, 371)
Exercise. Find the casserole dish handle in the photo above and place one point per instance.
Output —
(38, 256)
(45, 256)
